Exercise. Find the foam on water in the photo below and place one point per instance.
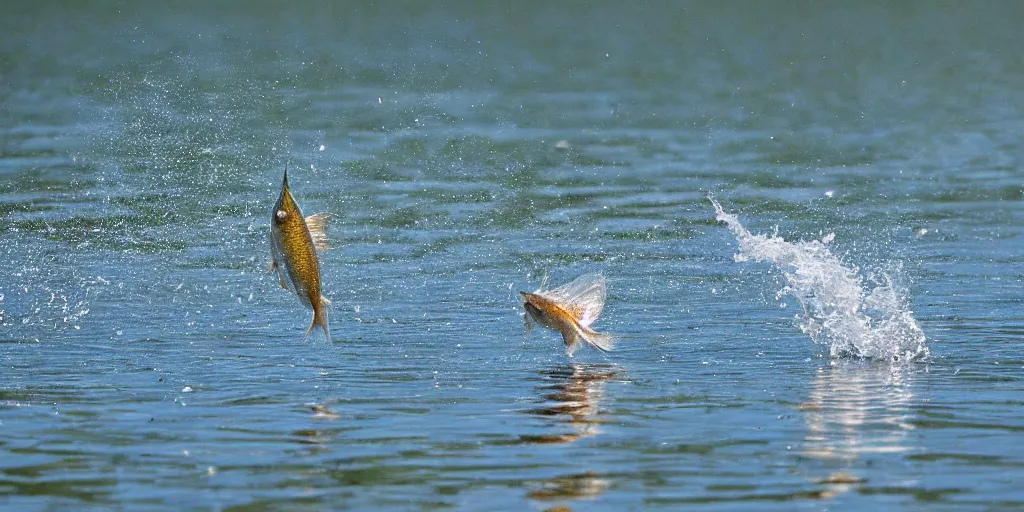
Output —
(838, 310)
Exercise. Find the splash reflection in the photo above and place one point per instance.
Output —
(857, 408)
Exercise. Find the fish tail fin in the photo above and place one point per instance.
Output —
(602, 342)
(320, 319)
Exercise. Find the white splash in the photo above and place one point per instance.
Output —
(837, 310)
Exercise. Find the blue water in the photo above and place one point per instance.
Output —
(147, 362)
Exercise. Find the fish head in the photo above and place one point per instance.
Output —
(530, 305)
(286, 210)
(543, 310)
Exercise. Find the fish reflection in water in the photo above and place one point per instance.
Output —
(582, 485)
(856, 408)
(574, 400)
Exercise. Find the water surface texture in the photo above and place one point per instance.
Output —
(869, 156)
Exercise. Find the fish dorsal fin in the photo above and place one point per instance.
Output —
(317, 225)
(583, 298)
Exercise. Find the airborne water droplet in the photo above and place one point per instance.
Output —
(836, 308)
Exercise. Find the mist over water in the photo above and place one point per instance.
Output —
(840, 309)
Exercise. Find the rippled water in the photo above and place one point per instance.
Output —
(466, 151)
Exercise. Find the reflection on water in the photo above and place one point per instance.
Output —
(581, 485)
(140, 146)
(857, 408)
(574, 400)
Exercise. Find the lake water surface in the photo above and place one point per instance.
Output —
(852, 339)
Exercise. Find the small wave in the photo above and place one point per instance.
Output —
(837, 309)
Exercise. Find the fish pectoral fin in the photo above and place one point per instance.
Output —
(527, 323)
(280, 277)
(572, 341)
(324, 301)
(317, 225)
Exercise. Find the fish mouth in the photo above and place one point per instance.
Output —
(534, 311)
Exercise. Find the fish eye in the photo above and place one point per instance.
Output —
(281, 214)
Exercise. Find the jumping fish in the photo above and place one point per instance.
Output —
(570, 309)
(293, 244)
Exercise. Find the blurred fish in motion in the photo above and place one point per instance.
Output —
(570, 309)
(293, 244)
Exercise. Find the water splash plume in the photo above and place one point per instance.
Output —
(838, 311)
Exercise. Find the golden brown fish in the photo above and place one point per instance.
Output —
(293, 254)
(570, 309)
